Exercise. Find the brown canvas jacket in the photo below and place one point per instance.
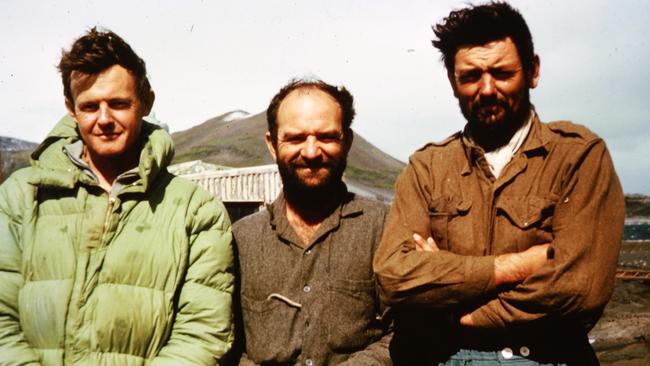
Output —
(313, 305)
(560, 188)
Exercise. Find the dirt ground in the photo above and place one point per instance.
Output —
(622, 336)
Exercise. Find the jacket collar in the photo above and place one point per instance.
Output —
(538, 137)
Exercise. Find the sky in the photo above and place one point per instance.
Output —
(206, 58)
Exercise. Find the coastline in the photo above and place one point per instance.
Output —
(637, 220)
(622, 336)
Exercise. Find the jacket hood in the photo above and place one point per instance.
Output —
(52, 167)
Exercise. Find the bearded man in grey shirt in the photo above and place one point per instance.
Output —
(308, 294)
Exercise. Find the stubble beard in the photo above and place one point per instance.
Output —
(497, 133)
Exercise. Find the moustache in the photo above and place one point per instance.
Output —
(312, 165)
(491, 102)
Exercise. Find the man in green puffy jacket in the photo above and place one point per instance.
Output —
(105, 257)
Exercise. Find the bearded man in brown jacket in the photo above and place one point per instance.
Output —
(503, 239)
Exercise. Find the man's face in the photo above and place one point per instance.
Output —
(311, 148)
(108, 111)
(490, 84)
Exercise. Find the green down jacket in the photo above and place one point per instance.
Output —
(142, 278)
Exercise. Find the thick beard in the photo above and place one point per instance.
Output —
(499, 133)
(302, 196)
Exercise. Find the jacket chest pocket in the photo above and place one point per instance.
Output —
(351, 315)
(532, 215)
(268, 326)
(444, 215)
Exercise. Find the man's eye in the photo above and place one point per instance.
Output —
(119, 104)
(88, 107)
(294, 139)
(469, 77)
(329, 139)
(502, 75)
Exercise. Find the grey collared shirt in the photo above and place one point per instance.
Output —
(315, 304)
(74, 152)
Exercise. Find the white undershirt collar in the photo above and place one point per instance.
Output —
(497, 159)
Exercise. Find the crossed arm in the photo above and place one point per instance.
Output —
(509, 269)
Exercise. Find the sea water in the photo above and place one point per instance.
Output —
(637, 231)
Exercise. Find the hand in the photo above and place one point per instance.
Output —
(516, 267)
(467, 320)
(425, 246)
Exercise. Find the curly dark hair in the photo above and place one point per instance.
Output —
(339, 93)
(96, 51)
(481, 24)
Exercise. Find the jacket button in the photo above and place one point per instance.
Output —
(306, 289)
(309, 362)
(507, 353)
(524, 351)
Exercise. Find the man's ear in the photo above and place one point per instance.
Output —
(70, 107)
(452, 81)
(348, 139)
(269, 145)
(148, 103)
(533, 78)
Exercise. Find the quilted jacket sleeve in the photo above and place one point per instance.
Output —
(14, 348)
(203, 331)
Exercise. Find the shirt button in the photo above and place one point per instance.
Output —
(306, 289)
(506, 353)
(309, 362)
(524, 351)
(308, 252)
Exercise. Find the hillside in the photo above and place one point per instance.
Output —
(14, 154)
(13, 144)
(238, 142)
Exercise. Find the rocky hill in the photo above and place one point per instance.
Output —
(237, 139)
(14, 154)
(13, 144)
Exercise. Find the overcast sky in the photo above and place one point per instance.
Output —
(206, 58)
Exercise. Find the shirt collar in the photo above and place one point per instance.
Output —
(75, 151)
(498, 158)
(537, 137)
(348, 207)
